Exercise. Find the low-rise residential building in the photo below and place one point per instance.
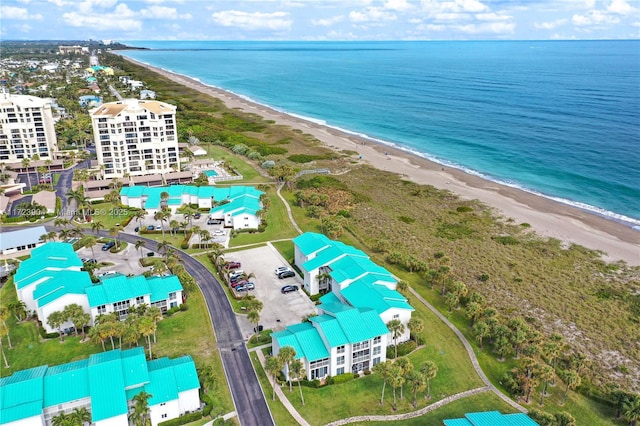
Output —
(350, 334)
(236, 206)
(105, 384)
(52, 279)
(22, 240)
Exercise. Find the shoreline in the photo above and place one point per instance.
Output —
(547, 217)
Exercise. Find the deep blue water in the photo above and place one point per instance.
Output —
(558, 118)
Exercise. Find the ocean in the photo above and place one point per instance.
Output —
(557, 118)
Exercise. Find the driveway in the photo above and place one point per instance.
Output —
(126, 262)
(279, 309)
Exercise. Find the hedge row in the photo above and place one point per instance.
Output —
(183, 420)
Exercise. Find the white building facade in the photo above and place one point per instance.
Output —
(26, 128)
(135, 137)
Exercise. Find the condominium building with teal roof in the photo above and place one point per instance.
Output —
(52, 279)
(360, 298)
(237, 206)
(104, 384)
(491, 418)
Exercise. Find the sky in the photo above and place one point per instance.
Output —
(130, 20)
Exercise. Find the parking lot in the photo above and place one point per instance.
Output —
(126, 262)
(279, 309)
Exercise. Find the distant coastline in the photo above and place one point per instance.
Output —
(549, 217)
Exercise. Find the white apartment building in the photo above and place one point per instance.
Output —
(26, 128)
(135, 137)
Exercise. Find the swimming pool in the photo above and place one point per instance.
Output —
(210, 173)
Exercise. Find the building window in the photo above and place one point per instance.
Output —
(164, 416)
(396, 316)
(376, 361)
(139, 300)
(340, 371)
(340, 360)
(376, 350)
(172, 296)
(102, 309)
(340, 349)
(377, 340)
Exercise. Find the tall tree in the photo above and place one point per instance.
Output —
(480, 330)
(415, 325)
(82, 415)
(140, 415)
(139, 245)
(631, 409)
(90, 241)
(417, 383)
(3, 330)
(5, 313)
(546, 374)
(297, 369)
(55, 320)
(272, 365)
(147, 328)
(429, 370)
(25, 166)
(286, 356)
(396, 328)
(155, 314)
(383, 370)
(572, 380)
(405, 368)
(97, 226)
(396, 380)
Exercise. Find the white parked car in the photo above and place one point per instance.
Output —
(281, 269)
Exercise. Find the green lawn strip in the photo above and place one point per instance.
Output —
(280, 414)
(486, 401)
(285, 248)
(247, 171)
(56, 178)
(278, 225)
(585, 410)
(262, 338)
(108, 214)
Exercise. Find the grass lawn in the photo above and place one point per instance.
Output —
(280, 414)
(286, 249)
(108, 214)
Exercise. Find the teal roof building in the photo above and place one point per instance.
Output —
(492, 418)
(104, 384)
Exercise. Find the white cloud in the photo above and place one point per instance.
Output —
(621, 7)
(415, 21)
(327, 22)
(487, 28)
(399, 5)
(121, 19)
(595, 17)
(550, 25)
(18, 13)
(61, 3)
(276, 21)
(371, 14)
(468, 6)
(492, 16)
(87, 5)
(163, 12)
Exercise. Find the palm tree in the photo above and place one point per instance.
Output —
(140, 414)
(383, 370)
(429, 369)
(147, 328)
(286, 355)
(62, 419)
(205, 236)
(546, 374)
(162, 216)
(297, 369)
(79, 198)
(19, 309)
(97, 226)
(415, 325)
(139, 245)
(90, 241)
(25, 165)
(82, 415)
(139, 216)
(405, 368)
(396, 380)
(164, 196)
(55, 320)
(396, 328)
(254, 318)
(572, 380)
(5, 313)
(155, 314)
(96, 337)
(114, 233)
(273, 365)
(163, 247)
(418, 383)
(481, 330)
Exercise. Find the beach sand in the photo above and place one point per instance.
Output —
(547, 217)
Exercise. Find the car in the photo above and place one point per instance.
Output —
(236, 273)
(236, 278)
(106, 274)
(108, 245)
(89, 261)
(214, 221)
(196, 216)
(137, 228)
(281, 269)
(288, 289)
(239, 283)
(286, 274)
(219, 232)
(232, 265)
(241, 288)
(151, 228)
(250, 286)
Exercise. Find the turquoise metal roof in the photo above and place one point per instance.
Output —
(376, 296)
(21, 394)
(311, 242)
(186, 374)
(309, 341)
(60, 284)
(352, 267)
(162, 387)
(331, 330)
(106, 385)
(116, 289)
(161, 287)
(66, 382)
(492, 418)
(330, 298)
(171, 376)
(287, 338)
(134, 367)
(52, 255)
(20, 412)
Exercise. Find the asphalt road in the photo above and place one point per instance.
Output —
(251, 405)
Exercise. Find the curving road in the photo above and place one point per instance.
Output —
(251, 405)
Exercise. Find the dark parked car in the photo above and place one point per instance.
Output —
(239, 283)
(236, 278)
(108, 245)
(196, 216)
(289, 288)
(137, 229)
(286, 274)
(89, 261)
(150, 228)
(214, 222)
(232, 265)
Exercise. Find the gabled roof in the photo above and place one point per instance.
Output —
(343, 324)
(21, 394)
(116, 289)
(328, 255)
(492, 418)
(11, 239)
(134, 367)
(305, 339)
(52, 255)
(66, 382)
(311, 242)
(352, 267)
(162, 286)
(60, 283)
(106, 385)
(379, 297)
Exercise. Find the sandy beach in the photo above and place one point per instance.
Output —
(547, 217)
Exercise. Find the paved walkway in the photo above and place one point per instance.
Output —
(293, 222)
(472, 355)
(283, 399)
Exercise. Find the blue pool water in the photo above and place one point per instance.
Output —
(210, 173)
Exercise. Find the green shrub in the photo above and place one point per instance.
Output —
(45, 335)
(311, 383)
(406, 219)
(172, 311)
(507, 240)
(367, 372)
(404, 348)
(184, 307)
(464, 209)
(343, 378)
(183, 420)
(206, 411)
(356, 375)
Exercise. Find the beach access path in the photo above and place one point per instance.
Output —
(547, 217)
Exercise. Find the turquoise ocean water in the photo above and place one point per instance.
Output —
(557, 118)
